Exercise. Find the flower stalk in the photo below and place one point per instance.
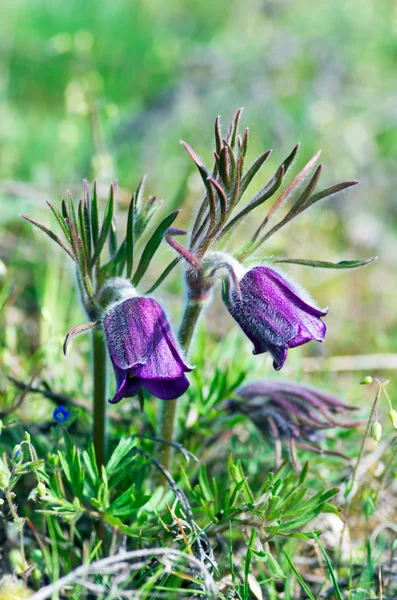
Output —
(99, 374)
(168, 413)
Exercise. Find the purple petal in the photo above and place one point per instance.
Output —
(273, 315)
(143, 350)
(127, 386)
(166, 389)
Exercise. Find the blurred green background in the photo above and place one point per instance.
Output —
(106, 90)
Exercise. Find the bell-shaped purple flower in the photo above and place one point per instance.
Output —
(274, 314)
(143, 350)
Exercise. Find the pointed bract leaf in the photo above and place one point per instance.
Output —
(163, 275)
(82, 229)
(60, 220)
(106, 224)
(322, 264)
(233, 129)
(218, 135)
(78, 248)
(139, 192)
(75, 331)
(129, 238)
(94, 215)
(293, 185)
(252, 171)
(197, 161)
(51, 235)
(112, 239)
(152, 245)
(330, 191)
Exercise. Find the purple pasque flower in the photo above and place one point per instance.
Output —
(143, 350)
(287, 413)
(274, 314)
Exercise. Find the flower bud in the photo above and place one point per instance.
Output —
(393, 417)
(17, 454)
(41, 489)
(376, 431)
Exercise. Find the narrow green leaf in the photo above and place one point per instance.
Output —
(330, 568)
(218, 135)
(292, 186)
(124, 446)
(60, 220)
(64, 208)
(112, 239)
(87, 227)
(106, 224)
(252, 171)
(94, 215)
(330, 191)
(90, 468)
(139, 192)
(143, 218)
(322, 264)
(227, 166)
(299, 577)
(233, 129)
(50, 234)
(163, 275)
(244, 145)
(130, 237)
(78, 248)
(197, 161)
(82, 229)
(260, 198)
(152, 245)
(72, 211)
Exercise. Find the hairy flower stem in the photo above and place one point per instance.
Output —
(100, 397)
(169, 407)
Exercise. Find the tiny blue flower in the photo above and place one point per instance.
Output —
(60, 414)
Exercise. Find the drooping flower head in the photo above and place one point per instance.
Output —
(274, 314)
(290, 412)
(143, 350)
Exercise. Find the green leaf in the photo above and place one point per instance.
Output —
(330, 191)
(233, 129)
(274, 567)
(82, 229)
(78, 248)
(321, 264)
(152, 245)
(90, 465)
(163, 275)
(106, 224)
(94, 215)
(112, 239)
(60, 220)
(130, 237)
(145, 215)
(124, 446)
(299, 577)
(252, 171)
(51, 235)
(330, 568)
(204, 484)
